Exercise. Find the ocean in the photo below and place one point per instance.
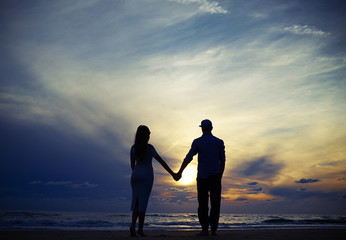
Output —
(37, 220)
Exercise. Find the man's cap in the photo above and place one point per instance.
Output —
(206, 124)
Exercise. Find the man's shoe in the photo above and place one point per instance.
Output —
(141, 233)
(133, 232)
(213, 233)
(203, 233)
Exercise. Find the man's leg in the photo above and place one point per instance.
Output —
(203, 195)
(215, 201)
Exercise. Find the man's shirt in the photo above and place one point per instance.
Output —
(211, 152)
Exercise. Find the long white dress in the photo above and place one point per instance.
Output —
(142, 178)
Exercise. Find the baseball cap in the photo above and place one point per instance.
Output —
(206, 124)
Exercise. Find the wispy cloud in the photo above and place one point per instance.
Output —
(254, 191)
(240, 199)
(67, 183)
(205, 6)
(304, 194)
(35, 182)
(262, 168)
(305, 30)
(83, 185)
(252, 183)
(308, 180)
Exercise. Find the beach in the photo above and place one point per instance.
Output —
(265, 234)
(43, 225)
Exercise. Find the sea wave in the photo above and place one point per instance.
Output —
(341, 220)
(50, 223)
(22, 220)
(28, 214)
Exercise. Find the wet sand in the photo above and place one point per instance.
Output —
(268, 234)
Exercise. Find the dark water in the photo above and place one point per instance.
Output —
(16, 220)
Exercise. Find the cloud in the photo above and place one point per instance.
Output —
(304, 180)
(84, 185)
(59, 183)
(291, 193)
(254, 190)
(67, 184)
(180, 189)
(240, 199)
(35, 182)
(262, 168)
(305, 30)
(331, 163)
(211, 7)
(252, 183)
(273, 199)
(77, 6)
(205, 6)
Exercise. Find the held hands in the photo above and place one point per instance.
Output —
(176, 176)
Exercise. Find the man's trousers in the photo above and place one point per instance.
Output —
(206, 186)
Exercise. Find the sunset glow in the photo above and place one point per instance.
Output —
(189, 176)
(79, 77)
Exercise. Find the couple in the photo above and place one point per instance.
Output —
(211, 165)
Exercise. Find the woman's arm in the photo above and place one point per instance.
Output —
(164, 165)
(133, 162)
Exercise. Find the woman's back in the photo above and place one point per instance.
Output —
(148, 156)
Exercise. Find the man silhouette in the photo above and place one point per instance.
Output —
(211, 165)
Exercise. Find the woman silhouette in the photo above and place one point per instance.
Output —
(142, 177)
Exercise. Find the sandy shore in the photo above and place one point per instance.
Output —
(292, 234)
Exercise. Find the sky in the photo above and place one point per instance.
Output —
(78, 78)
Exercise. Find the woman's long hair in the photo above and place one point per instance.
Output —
(141, 141)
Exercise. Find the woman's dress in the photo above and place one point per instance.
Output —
(142, 178)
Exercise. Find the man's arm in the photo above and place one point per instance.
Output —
(222, 165)
(188, 159)
(182, 167)
(222, 158)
